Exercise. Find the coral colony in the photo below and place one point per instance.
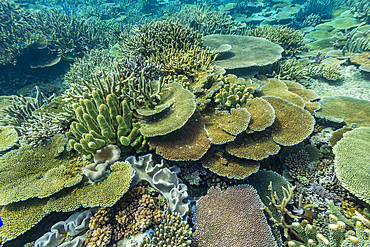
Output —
(184, 124)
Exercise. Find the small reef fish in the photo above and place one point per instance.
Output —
(1, 223)
(304, 213)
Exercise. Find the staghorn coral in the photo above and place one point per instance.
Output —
(231, 218)
(171, 231)
(361, 11)
(22, 108)
(329, 71)
(93, 62)
(16, 30)
(103, 121)
(186, 61)
(153, 37)
(202, 19)
(352, 168)
(356, 40)
(38, 129)
(289, 69)
(291, 40)
(69, 35)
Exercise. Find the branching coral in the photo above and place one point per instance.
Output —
(16, 30)
(291, 40)
(329, 71)
(206, 22)
(171, 231)
(357, 40)
(154, 37)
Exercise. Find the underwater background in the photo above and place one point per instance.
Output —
(185, 123)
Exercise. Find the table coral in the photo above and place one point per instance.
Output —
(224, 164)
(48, 168)
(352, 168)
(176, 106)
(190, 142)
(8, 137)
(246, 51)
(231, 218)
(345, 109)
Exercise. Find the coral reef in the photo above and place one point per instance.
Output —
(345, 109)
(103, 121)
(9, 138)
(67, 232)
(190, 142)
(240, 56)
(163, 179)
(171, 231)
(352, 168)
(231, 218)
(202, 19)
(329, 71)
(154, 37)
(138, 210)
(56, 171)
(356, 40)
(16, 32)
(291, 40)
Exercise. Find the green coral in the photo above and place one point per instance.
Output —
(8, 137)
(154, 37)
(102, 121)
(291, 40)
(47, 168)
(352, 163)
(234, 96)
(172, 231)
(329, 71)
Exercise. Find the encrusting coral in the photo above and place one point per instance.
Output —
(231, 218)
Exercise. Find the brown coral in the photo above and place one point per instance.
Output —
(188, 143)
(232, 218)
(226, 165)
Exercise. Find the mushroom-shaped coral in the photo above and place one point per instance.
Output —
(352, 162)
(246, 51)
(231, 218)
(188, 143)
(176, 106)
